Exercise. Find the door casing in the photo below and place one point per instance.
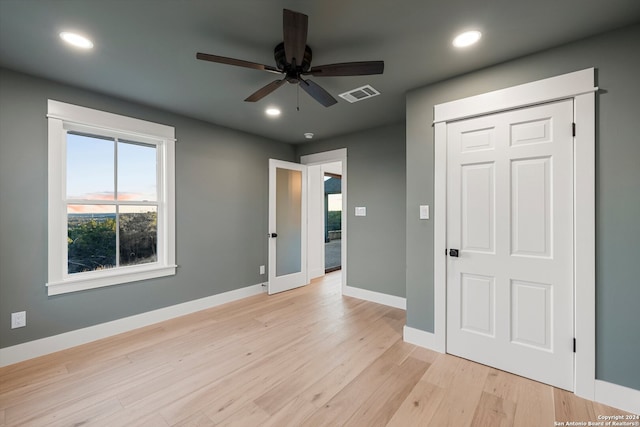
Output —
(578, 86)
(339, 155)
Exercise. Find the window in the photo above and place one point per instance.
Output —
(111, 199)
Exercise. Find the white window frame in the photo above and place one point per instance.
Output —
(63, 117)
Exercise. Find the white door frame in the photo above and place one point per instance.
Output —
(578, 86)
(339, 155)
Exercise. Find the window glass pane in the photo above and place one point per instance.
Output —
(136, 171)
(90, 167)
(334, 202)
(91, 237)
(288, 221)
(138, 235)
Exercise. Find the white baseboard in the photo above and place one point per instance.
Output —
(617, 396)
(422, 338)
(377, 297)
(40, 347)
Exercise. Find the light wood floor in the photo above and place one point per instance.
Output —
(307, 357)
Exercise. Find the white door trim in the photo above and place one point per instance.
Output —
(339, 155)
(578, 86)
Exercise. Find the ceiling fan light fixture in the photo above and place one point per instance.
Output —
(293, 61)
(272, 112)
(76, 40)
(467, 38)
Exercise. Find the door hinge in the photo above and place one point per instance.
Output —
(573, 129)
(574, 345)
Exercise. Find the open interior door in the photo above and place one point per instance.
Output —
(287, 226)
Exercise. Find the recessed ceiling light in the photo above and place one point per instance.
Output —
(467, 38)
(308, 135)
(76, 40)
(272, 111)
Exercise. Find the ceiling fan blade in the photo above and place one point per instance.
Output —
(348, 69)
(264, 91)
(317, 93)
(237, 62)
(295, 26)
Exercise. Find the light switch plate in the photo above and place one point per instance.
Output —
(424, 211)
(361, 211)
(19, 319)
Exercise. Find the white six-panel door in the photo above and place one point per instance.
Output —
(510, 216)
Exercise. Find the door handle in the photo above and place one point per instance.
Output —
(273, 234)
(454, 253)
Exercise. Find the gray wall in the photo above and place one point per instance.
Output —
(221, 213)
(615, 56)
(375, 179)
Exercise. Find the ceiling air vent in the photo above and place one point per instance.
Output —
(359, 94)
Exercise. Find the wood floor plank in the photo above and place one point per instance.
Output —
(23, 378)
(307, 357)
(78, 392)
(367, 348)
(419, 407)
(75, 413)
(137, 416)
(569, 407)
(223, 398)
(534, 404)
(367, 339)
(347, 401)
(494, 411)
(424, 354)
(249, 414)
(327, 357)
(463, 395)
(602, 409)
(198, 419)
(226, 396)
(215, 360)
(380, 407)
(443, 370)
(504, 385)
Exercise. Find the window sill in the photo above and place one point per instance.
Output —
(85, 281)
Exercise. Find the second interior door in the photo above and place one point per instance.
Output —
(287, 226)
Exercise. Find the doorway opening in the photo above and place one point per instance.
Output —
(332, 222)
(332, 162)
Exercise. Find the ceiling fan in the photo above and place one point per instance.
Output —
(293, 60)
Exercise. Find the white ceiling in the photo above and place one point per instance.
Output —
(145, 50)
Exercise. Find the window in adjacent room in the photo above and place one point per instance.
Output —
(111, 199)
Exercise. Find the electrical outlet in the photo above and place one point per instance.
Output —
(262, 269)
(19, 319)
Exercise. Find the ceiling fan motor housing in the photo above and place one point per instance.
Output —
(293, 73)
